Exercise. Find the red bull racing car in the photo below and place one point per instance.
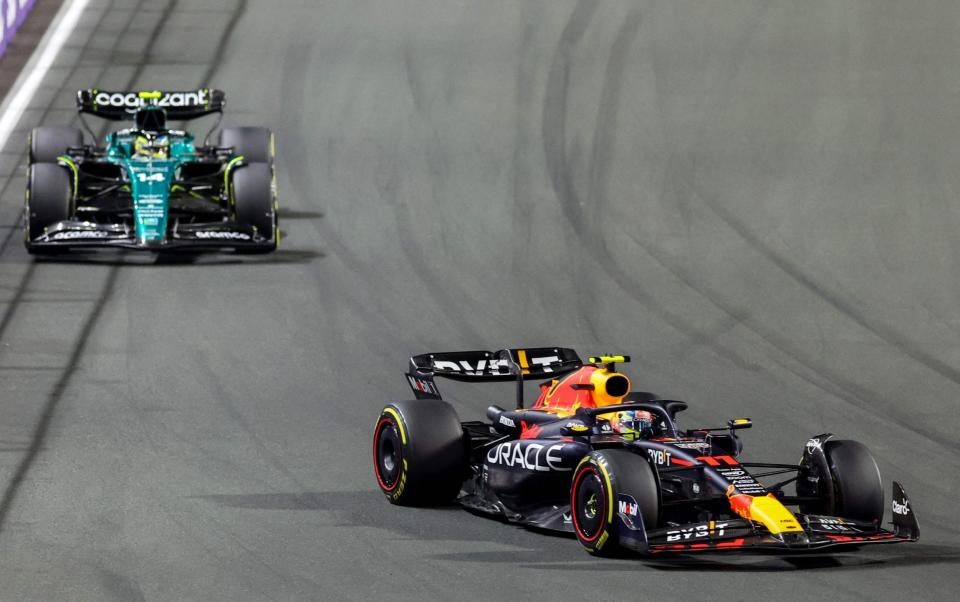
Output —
(612, 466)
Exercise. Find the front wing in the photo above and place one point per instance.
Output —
(818, 532)
(73, 234)
(741, 535)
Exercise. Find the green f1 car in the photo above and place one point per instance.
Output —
(151, 187)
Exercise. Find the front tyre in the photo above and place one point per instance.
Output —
(419, 452)
(608, 488)
(254, 203)
(856, 481)
(840, 478)
(49, 200)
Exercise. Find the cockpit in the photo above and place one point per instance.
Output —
(151, 138)
(148, 145)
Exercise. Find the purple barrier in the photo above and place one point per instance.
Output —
(12, 13)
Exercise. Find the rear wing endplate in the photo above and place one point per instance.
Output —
(506, 365)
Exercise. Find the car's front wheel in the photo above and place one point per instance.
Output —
(856, 481)
(49, 200)
(842, 479)
(254, 203)
(612, 487)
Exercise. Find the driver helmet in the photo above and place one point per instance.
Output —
(151, 147)
(639, 422)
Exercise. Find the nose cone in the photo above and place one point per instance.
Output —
(766, 510)
(800, 539)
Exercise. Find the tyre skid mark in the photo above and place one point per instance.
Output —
(586, 229)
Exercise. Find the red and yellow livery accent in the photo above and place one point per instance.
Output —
(588, 387)
(764, 509)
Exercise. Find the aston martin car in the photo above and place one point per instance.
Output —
(147, 186)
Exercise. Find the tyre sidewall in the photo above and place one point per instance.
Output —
(620, 472)
(254, 200)
(858, 488)
(49, 198)
(433, 451)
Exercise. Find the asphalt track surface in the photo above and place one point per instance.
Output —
(757, 200)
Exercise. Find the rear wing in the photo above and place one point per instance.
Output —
(519, 365)
(119, 106)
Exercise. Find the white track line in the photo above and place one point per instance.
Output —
(37, 67)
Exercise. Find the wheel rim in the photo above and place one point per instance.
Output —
(590, 508)
(387, 454)
(589, 504)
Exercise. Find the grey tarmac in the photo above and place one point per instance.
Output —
(757, 200)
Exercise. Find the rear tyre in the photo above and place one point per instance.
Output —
(419, 452)
(49, 200)
(857, 485)
(49, 142)
(601, 481)
(255, 144)
(254, 203)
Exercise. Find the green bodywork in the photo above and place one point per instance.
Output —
(151, 179)
(148, 187)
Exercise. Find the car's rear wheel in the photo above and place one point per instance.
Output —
(419, 452)
(254, 203)
(49, 142)
(255, 144)
(608, 487)
(49, 200)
